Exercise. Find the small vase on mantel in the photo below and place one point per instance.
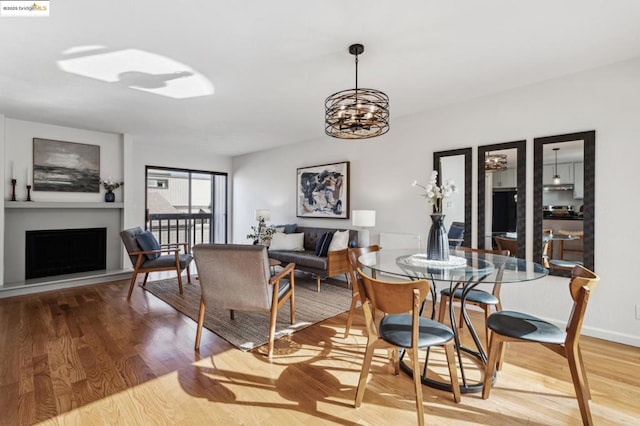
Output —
(438, 241)
(109, 197)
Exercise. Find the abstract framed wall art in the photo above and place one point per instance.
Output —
(323, 191)
(65, 166)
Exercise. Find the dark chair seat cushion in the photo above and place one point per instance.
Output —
(561, 263)
(284, 287)
(167, 261)
(396, 329)
(525, 327)
(147, 241)
(474, 295)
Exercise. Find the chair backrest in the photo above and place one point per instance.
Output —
(508, 244)
(234, 276)
(581, 284)
(128, 237)
(353, 254)
(498, 281)
(456, 234)
(393, 297)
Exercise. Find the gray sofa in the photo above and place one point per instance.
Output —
(335, 263)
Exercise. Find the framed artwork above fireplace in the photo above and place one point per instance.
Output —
(65, 166)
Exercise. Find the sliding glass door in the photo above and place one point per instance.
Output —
(186, 205)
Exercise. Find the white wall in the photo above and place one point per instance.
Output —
(382, 169)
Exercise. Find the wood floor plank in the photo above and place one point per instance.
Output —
(89, 356)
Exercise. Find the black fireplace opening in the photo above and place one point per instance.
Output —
(65, 251)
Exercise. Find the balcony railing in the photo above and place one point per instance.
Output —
(192, 228)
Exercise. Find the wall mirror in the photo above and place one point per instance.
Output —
(456, 165)
(502, 195)
(564, 176)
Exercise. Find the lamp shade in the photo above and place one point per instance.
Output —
(263, 214)
(364, 218)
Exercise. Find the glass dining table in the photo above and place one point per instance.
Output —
(464, 270)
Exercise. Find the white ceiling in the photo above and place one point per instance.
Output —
(255, 74)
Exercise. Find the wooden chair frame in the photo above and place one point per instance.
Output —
(581, 284)
(174, 248)
(353, 255)
(391, 298)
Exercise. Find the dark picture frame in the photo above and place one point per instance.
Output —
(60, 166)
(323, 191)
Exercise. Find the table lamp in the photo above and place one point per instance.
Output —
(363, 219)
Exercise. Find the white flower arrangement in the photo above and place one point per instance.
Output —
(435, 194)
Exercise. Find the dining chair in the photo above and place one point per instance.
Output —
(147, 255)
(456, 234)
(510, 244)
(561, 262)
(353, 255)
(402, 327)
(475, 296)
(510, 326)
(237, 277)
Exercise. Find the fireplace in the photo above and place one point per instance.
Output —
(65, 251)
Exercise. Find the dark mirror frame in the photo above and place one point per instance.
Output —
(467, 153)
(589, 138)
(521, 176)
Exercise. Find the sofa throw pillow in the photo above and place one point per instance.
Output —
(288, 228)
(340, 241)
(288, 242)
(147, 241)
(322, 247)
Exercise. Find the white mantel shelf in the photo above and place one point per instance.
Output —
(60, 205)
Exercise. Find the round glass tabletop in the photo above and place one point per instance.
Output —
(472, 267)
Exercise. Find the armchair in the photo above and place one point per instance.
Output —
(237, 277)
(147, 255)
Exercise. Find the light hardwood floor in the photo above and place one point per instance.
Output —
(87, 356)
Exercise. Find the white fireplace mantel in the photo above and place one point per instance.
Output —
(60, 205)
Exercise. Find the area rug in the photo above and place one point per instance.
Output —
(251, 329)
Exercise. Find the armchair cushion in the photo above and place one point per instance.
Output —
(147, 241)
(167, 261)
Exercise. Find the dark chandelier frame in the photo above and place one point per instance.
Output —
(357, 113)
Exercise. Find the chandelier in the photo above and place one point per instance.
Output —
(495, 162)
(357, 113)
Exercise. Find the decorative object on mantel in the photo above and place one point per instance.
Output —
(357, 113)
(65, 166)
(262, 233)
(437, 242)
(13, 189)
(110, 185)
(28, 193)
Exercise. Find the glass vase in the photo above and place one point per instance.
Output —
(438, 241)
(109, 196)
